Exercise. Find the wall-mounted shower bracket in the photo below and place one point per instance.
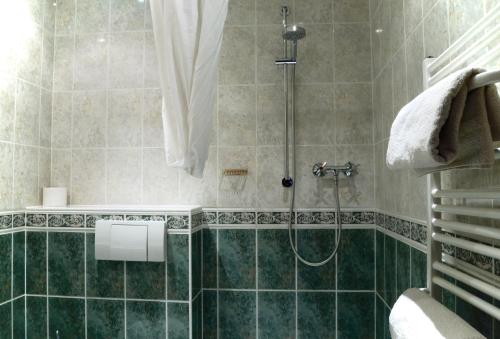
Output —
(285, 62)
(321, 169)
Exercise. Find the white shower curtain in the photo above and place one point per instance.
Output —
(188, 38)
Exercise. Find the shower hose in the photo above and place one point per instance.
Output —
(337, 233)
(292, 199)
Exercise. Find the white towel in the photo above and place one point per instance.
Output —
(446, 127)
(188, 39)
(416, 315)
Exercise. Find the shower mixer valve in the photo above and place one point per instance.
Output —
(321, 169)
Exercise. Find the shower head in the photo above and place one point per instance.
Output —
(294, 33)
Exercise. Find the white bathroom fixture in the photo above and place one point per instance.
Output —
(449, 210)
(55, 197)
(130, 240)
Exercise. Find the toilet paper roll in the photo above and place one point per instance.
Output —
(55, 197)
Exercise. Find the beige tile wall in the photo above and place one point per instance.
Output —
(403, 33)
(26, 64)
(93, 121)
(107, 136)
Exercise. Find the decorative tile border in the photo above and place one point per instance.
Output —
(357, 218)
(36, 220)
(281, 217)
(19, 220)
(407, 229)
(210, 218)
(274, 218)
(236, 218)
(66, 220)
(90, 219)
(145, 217)
(5, 221)
(316, 218)
(11, 220)
(178, 221)
(197, 220)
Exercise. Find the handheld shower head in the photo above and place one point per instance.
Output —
(294, 33)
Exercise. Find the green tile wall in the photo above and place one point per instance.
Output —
(237, 267)
(178, 267)
(237, 314)
(105, 319)
(67, 317)
(18, 262)
(36, 317)
(104, 278)
(316, 315)
(145, 319)
(315, 245)
(399, 266)
(36, 262)
(5, 267)
(66, 267)
(84, 295)
(6, 320)
(276, 260)
(18, 314)
(276, 314)
(254, 286)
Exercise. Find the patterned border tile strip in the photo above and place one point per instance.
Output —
(145, 217)
(19, 220)
(410, 230)
(5, 221)
(196, 220)
(90, 219)
(210, 218)
(66, 220)
(419, 233)
(274, 218)
(357, 218)
(178, 221)
(236, 218)
(36, 220)
(320, 218)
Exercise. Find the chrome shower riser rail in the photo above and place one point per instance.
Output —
(288, 63)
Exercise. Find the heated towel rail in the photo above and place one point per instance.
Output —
(453, 225)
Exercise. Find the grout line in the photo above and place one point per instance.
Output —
(12, 285)
(25, 284)
(296, 262)
(125, 296)
(85, 281)
(218, 299)
(256, 284)
(190, 284)
(47, 281)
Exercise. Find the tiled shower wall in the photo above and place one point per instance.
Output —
(50, 281)
(254, 287)
(107, 142)
(403, 33)
(26, 64)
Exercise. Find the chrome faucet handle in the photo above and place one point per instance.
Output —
(319, 169)
(349, 171)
